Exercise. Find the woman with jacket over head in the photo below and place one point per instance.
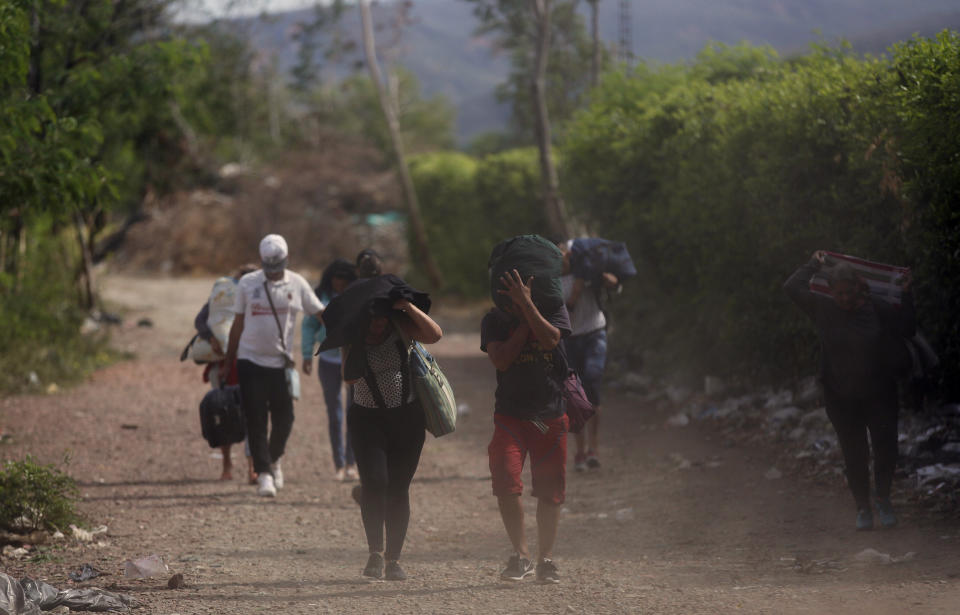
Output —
(336, 277)
(385, 421)
(862, 350)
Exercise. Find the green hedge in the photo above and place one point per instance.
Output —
(471, 204)
(725, 175)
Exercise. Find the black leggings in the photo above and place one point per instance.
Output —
(387, 445)
(263, 394)
(852, 419)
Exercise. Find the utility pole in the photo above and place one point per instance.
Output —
(625, 45)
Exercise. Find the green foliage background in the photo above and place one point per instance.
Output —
(723, 176)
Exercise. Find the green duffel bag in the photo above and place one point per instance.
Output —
(530, 255)
(431, 387)
(433, 391)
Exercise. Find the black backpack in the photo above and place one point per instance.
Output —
(221, 418)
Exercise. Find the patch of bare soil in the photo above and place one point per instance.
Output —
(317, 199)
(678, 520)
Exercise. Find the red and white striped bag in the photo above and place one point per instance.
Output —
(882, 279)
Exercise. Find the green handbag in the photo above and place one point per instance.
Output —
(432, 389)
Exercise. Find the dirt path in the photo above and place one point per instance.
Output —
(645, 534)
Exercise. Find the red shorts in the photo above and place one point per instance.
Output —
(512, 439)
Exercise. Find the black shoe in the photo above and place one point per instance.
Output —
(518, 568)
(547, 572)
(593, 461)
(394, 572)
(374, 567)
(357, 493)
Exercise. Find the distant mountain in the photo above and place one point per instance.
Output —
(441, 49)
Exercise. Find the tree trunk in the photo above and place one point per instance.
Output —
(550, 184)
(393, 124)
(595, 33)
(88, 297)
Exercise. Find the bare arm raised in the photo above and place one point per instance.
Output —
(519, 292)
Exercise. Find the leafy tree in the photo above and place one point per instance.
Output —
(426, 124)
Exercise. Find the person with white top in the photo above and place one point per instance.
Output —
(261, 340)
(586, 349)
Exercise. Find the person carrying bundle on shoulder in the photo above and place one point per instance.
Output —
(590, 266)
(862, 353)
(521, 337)
(376, 321)
(212, 324)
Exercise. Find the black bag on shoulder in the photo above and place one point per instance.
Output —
(221, 418)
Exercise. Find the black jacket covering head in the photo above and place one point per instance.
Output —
(347, 317)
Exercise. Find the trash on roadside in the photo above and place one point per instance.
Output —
(682, 462)
(145, 567)
(95, 599)
(42, 594)
(938, 472)
(872, 556)
(12, 552)
(86, 573)
(678, 420)
(773, 474)
(31, 597)
(87, 535)
(624, 514)
(463, 409)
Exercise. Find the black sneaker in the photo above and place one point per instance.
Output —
(393, 572)
(593, 461)
(547, 572)
(374, 567)
(518, 568)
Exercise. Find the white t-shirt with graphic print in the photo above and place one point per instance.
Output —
(260, 341)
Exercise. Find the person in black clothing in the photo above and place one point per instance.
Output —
(862, 350)
(386, 427)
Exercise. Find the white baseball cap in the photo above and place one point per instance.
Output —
(273, 253)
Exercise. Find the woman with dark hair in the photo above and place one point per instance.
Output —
(862, 350)
(336, 277)
(375, 321)
(369, 264)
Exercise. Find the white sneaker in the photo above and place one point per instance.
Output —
(277, 472)
(265, 486)
(352, 473)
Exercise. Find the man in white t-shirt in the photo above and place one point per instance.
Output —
(586, 349)
(267, 304)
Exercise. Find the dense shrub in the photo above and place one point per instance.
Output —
(40, 322)
(725, 175)
(470, 204)
(34, 497)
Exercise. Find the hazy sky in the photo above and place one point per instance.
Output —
(199, 10)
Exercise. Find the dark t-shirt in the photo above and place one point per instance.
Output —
(532, 387)
(862, 349)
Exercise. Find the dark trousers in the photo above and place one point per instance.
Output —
(265, 395)
(852, 419)
(332, 382)
(387, 444)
